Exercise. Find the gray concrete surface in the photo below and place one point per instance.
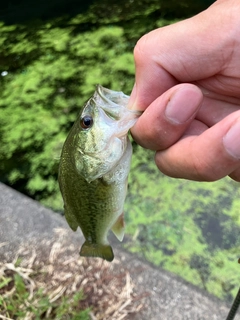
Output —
(25, 221)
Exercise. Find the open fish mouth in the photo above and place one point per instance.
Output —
(110, 121)
(114, 104)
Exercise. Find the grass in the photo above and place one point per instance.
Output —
(65, 286)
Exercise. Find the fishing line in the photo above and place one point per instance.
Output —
(235, 305)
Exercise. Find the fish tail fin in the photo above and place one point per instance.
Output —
(103, 251)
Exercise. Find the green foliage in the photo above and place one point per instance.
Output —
(21, 304)
(41, 99)
(183, 8)
(52, 69)
(189, 228)
(49, 69)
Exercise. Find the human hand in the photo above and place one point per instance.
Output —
(188, 83)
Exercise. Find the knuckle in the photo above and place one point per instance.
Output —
(140, 48)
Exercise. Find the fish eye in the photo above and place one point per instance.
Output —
(86, 122)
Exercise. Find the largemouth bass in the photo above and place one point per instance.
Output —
(94, 167)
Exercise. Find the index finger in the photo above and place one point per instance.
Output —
(181, 53)
(156, 79)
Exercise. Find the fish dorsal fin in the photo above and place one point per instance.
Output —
(119, 227)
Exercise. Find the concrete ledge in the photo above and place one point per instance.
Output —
(24, 221)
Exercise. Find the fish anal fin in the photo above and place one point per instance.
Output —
(103, 251)
(119, 227)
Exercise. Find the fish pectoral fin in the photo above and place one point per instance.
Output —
(103, 251)
(119, 227)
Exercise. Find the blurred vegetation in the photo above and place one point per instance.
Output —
(49, 68)
(50, 61)
(21, 305)
(53, 72)
(189, 228)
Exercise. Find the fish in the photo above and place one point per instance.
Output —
(93, 170)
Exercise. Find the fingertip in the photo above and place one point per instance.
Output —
(167, 118)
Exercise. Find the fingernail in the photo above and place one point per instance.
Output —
(231, 140)
(183, 105)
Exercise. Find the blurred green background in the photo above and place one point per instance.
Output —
(52, 55)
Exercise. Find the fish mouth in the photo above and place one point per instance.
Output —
(114, 104)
